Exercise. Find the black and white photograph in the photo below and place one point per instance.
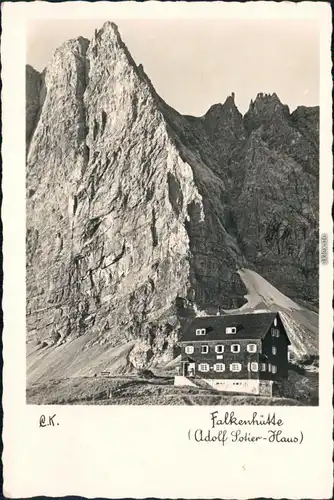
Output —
(172, 211)
(167, 249)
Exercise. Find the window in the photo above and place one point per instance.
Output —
(203, 367)
(254, 367)
(269, 367)
(274, 350)
(219, 367)
(235, 348)
(262, 367)
(251, 348)
(231, 329)
(275, 332)
(274, 369)
(275, 322)
(190, 370)
(219, 349)
(235, 367)
(205, 349)
(200, 331)
(189, 349)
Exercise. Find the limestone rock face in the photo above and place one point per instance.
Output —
(277, 210)
(224, 125)
(33, 104)
(137, 216)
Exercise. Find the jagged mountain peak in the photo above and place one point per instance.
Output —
(268, 102)
(306, 113)
(33, 87)
(108, 42)
(227, 106)
(230, 100)
(224, 126)
(264, 96)
(76, 46)
(111, 28)
(30, 70)
(221, 117)
(265, 109)
(108, 32)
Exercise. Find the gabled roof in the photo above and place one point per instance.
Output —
(249, 326)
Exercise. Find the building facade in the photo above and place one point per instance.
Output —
(239, 353)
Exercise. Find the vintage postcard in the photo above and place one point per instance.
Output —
(167, 249)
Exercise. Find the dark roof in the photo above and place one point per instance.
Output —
(249, 326)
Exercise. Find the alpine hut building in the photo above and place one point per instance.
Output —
(235, 352)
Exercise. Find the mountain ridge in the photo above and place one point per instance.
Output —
(138, 215)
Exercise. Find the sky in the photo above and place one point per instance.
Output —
(195, 63)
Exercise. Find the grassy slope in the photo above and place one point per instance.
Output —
(73, 359)
(130, 390)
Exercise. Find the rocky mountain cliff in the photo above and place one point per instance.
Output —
(137, 216)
